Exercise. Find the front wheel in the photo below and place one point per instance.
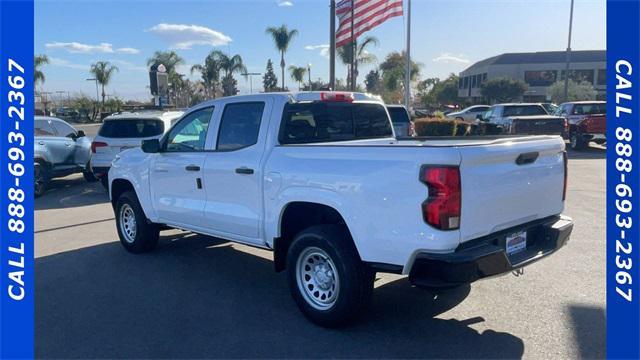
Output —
(327, 279)
(40, 179)
(136, 233)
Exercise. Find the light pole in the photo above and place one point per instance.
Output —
(309, 73)
(566, 72)
(250, 75)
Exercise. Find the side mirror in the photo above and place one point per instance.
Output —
(151, 146)
(80, 134)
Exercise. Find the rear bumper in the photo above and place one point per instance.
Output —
(486, 256)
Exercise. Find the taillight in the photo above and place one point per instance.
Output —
(411, 129)
(335, 96)
(566, 126)
(97, 144)
(565, 159)
(442, 209)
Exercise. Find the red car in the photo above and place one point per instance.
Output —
(587, 122)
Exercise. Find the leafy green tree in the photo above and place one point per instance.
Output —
(38, 62)
(103, 71)
(297, 74)
(282, 38)
(373, 82)
(503, 89)
(362, 56)
(576, 91)
(210, 72)
(269, 79)
(439, 92)
(229, 85)
(393, 69)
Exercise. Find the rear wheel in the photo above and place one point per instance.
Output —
(88, 174)
(327, 279)
(40, 178)
(136, 233)
(577, 142)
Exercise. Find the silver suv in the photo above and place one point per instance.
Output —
(59, 150)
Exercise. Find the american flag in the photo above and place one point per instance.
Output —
(367, 15)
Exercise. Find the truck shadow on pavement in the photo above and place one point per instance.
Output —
(199, 297)
(592, 152)
(71, 191)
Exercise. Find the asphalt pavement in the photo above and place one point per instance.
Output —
(202, 297)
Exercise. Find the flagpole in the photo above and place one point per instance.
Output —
(407, 74)
(332, 46)
(353, 46)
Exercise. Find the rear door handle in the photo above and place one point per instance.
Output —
(244, 170)
(192, 168)
(527, 158)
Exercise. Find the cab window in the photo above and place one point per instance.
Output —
(240, 125)
(43, 128)
(190, 133)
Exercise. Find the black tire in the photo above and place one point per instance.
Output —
(88, 174)
(145, 236)
(577, 142)
(354, 288)
(104, 180)
(41, 178)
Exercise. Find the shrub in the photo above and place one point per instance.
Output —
(428, 127)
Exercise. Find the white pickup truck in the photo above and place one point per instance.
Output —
(320, 179)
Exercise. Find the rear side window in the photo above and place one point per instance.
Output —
(325, 122)
(63, 129)
(240, 125)
(589, 109)
(398, 115)
(131, 128)
(43, 128)
(524, 110)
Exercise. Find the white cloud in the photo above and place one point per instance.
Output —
(324, 49)
(285, 3)
(76, 47)
(53, 61)
(128, 50)
(80, 48)
(185, 36)
(448, 58)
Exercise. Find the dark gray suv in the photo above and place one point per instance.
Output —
(59, 150)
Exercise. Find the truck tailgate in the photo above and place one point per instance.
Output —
(498, 193)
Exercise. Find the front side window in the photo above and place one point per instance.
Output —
(43, 128)
(240, 125)
(190, 134)
(63, 129)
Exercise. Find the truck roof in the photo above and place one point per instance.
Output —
(152, 114)
(301, 96)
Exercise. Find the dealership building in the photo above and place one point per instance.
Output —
(538, 70)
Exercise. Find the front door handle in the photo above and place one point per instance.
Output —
(244, 170)
(192, 168)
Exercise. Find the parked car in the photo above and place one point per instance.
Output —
(550, 107)
(402, 124)
(59, 150)
(122, 131)
(468, 114)
(522, 119)
(318, 178)
(587, 122)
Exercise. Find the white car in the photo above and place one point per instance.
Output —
(320, 179)
(126, 130)
(468, 114)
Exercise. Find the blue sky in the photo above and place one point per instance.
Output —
(447, 35)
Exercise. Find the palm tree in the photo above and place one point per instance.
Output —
(282, 38)
(362, 56)
(38, 62)
(103, 70)
(297, 74)
(210, 72)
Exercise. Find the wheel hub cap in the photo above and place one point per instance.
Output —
(317, 279)
(128, 226)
